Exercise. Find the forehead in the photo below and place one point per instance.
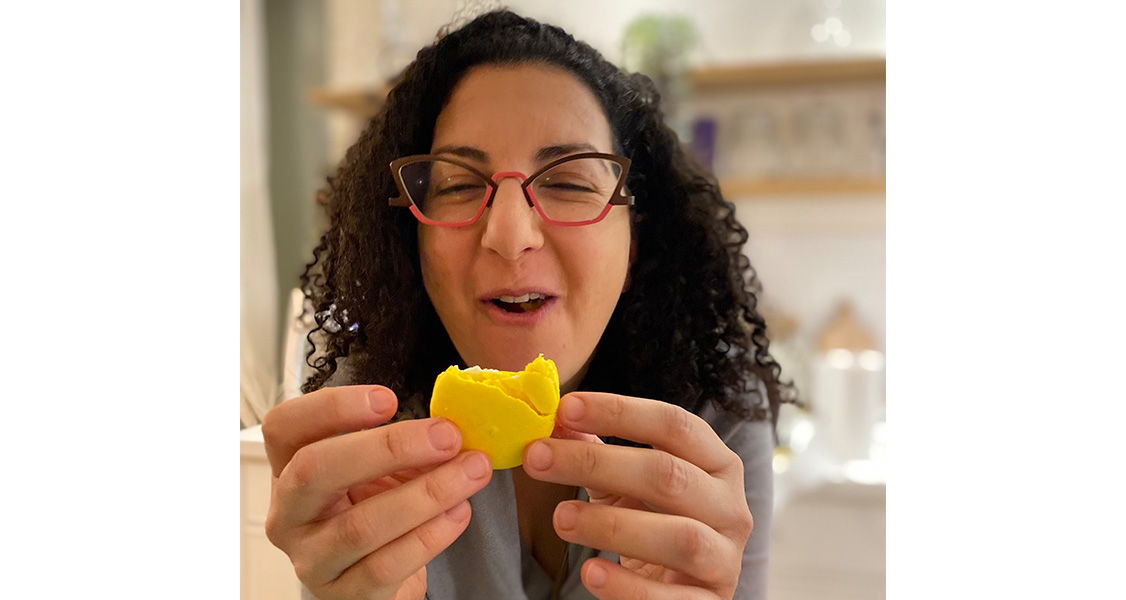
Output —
(512, 111)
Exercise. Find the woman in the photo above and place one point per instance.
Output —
(536, 204)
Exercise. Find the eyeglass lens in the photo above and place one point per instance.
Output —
(572, 191)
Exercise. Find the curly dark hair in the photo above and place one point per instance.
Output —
(687, 329)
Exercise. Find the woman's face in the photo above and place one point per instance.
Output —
(498, 118)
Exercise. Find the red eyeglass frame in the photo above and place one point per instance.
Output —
(617, 198)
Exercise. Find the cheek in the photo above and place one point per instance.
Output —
(602, 262)
(426, 260)
(434, 261)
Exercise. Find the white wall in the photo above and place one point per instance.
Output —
(812, 252)
(258, 294)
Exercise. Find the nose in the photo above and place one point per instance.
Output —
(512, 226)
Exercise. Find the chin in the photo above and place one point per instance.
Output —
(506, 359)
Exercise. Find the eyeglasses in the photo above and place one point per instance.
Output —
(575, 190)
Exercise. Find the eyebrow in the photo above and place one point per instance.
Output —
(542, 155)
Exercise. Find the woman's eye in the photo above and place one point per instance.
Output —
(570, 187)
(458, 188)
(569, 182)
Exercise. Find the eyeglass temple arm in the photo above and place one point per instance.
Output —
(402, 201)
(621, 200)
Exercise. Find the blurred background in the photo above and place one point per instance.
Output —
(784, 100)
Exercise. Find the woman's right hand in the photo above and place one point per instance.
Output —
(360, 515)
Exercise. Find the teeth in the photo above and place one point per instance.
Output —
(522, 299)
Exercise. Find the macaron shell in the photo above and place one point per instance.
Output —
(490, 413)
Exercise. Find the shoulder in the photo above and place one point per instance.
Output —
(744, 437)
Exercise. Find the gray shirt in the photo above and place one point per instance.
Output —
(489, 561)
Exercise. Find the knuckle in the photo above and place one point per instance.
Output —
(672, 475)
(744, 525)
(396, 444)
(304, 467)
(437, 493)
(354, 529)
(699, 550)
(679, 423)
(270, 425)
(736, 462)
(690, 541)
(379, 570)
(641, 593)
(612, 525)
(303, 569)
(616, 408)
(338, 408)
(588, 461)
(431, 538)
(273, 529)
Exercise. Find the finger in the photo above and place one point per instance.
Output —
(346, 538)
(362, 491)
(389, 566)
(320, 473)
(660, 480)
(326, 412)
(562, 433)
(608, 581)
(679, 543)
(662, 425)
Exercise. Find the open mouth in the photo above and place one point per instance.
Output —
(521, 304)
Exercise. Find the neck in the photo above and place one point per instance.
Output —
(572, 384)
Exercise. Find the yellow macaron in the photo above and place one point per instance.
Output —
(499, 412)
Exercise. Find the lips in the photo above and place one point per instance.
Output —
(517, 303)
(520, 304)
(529, 297)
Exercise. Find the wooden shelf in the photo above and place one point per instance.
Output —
(742, 187)
(359, 103)
(365, 103)
(717, 78)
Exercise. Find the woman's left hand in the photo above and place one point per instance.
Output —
(676, 514)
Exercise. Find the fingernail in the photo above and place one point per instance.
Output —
(539, 456)
(566, 515)
(443, 436)
(459, 512)
(477, 466)
(572, 409)
(596, 575)
(381, 401)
